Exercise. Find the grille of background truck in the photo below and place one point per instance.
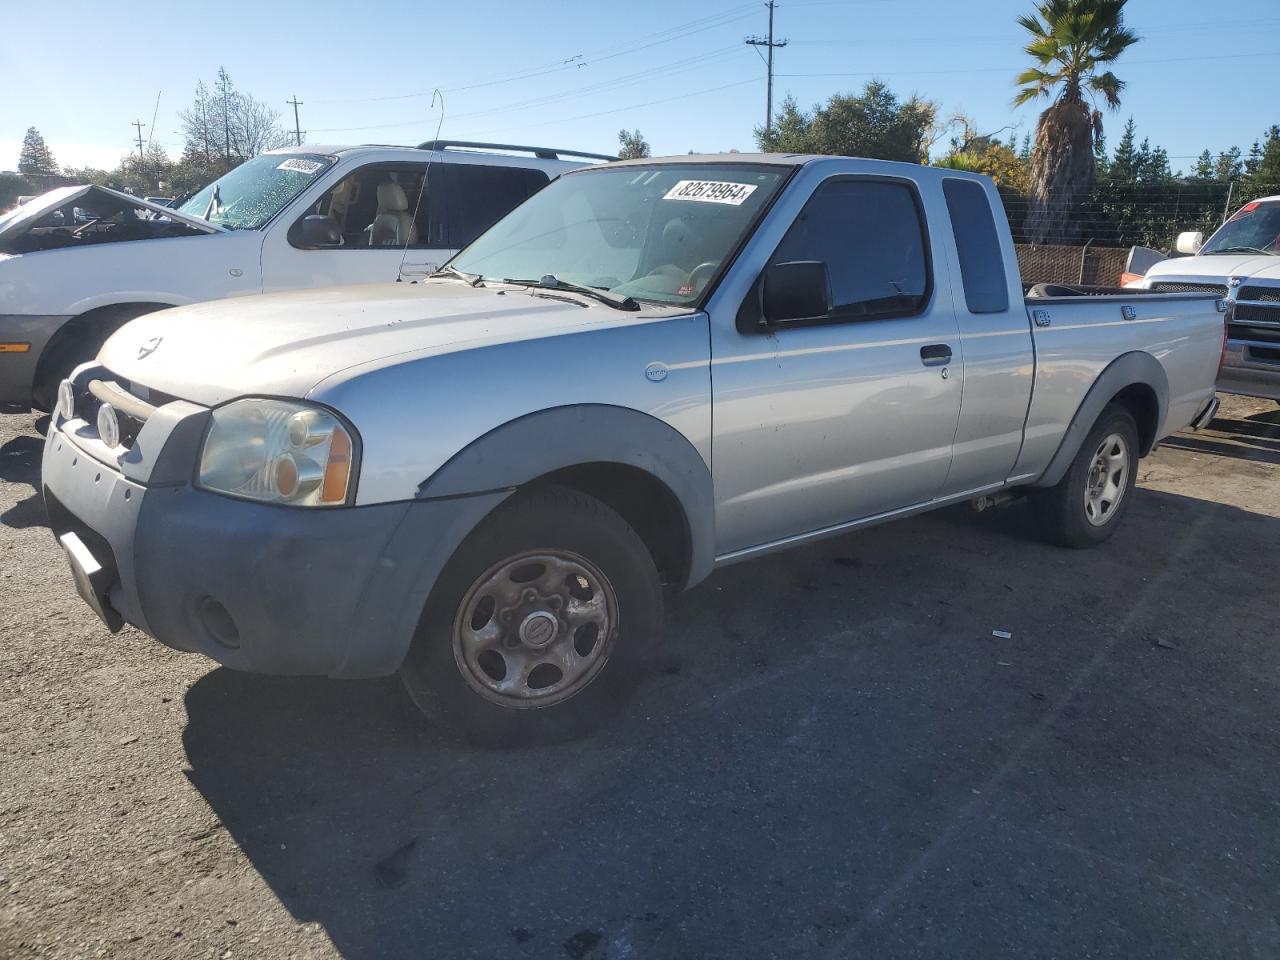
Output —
(1172, 287)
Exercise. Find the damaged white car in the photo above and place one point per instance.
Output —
(79, 262)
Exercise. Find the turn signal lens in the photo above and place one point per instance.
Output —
(278, 451)
(337, 471)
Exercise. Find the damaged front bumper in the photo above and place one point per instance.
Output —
(258, 587)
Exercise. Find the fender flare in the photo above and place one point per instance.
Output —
(1136, 367)
(541, 443)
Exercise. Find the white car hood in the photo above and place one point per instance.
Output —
(1217, 267)
(285, 344)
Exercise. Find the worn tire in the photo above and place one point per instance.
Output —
(1061, 511)
(77, 342)
(541, 520)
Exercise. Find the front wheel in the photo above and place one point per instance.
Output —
(539, 623)
(1086, 506)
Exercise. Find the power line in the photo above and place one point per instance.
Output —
(634, 106)
(1014, 40)
(769, 44)
(921, 73)
(644, 76)
(580, 60)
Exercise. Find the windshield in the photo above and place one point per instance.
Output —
(656, 232)
(1255, 228)
(258, 189)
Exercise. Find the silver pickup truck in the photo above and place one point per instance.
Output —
(649, 370)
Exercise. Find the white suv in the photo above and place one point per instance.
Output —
(293, 218)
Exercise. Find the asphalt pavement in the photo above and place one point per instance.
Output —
(835, 758)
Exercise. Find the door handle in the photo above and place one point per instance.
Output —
(935, 355)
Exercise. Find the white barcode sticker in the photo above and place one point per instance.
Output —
(298, 165)
(711, 191)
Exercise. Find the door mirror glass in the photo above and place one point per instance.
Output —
(1190, 242)
(796, 290)
(317, 230)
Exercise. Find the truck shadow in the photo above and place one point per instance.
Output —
(823, 718)
(20, 464)
(1255, 438)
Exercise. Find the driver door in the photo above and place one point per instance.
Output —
(852, 414)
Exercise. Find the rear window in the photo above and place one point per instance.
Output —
(986, 289)
(481, 195)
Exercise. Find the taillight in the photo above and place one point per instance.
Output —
(1226, 335)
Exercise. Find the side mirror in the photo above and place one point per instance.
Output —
(797, 290)
(1190, 242)
(316, 230)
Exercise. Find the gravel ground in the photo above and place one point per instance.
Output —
(838, 759)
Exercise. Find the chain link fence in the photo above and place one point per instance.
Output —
(1060, 263)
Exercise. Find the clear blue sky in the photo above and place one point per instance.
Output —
(81, 71)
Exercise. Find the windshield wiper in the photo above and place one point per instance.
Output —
(1238, 249)
(552, 282)
(215, 202)
(471, 279)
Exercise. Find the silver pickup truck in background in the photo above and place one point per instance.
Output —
(647, 371)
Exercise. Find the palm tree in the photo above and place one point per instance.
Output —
(1071, 41)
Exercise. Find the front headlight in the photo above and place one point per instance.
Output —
(278, 451)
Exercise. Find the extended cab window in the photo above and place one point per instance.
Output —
(978, 245)
(480, 195)
(871, 237)
(375, 206)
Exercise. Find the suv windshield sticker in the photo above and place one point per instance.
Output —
(300, 166)
(711, 191)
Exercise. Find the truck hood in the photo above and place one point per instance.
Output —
(19, 221)
(1217, 267)
(285, 344)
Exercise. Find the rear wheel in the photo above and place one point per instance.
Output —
(1088, 503)
(539, 624)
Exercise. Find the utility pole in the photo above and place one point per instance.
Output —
(139, 124)
(297, 128)
(770, 44)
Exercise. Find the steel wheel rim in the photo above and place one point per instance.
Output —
(535, 629)
(1107, 481)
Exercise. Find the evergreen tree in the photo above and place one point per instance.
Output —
(1158, 170)
(36, 158)
(1254, 158)
(1123, 166)
(1024, 153)
(1266, 177)
(1203, 170)
(1228, 166)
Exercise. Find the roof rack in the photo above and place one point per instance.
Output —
(542, 153)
